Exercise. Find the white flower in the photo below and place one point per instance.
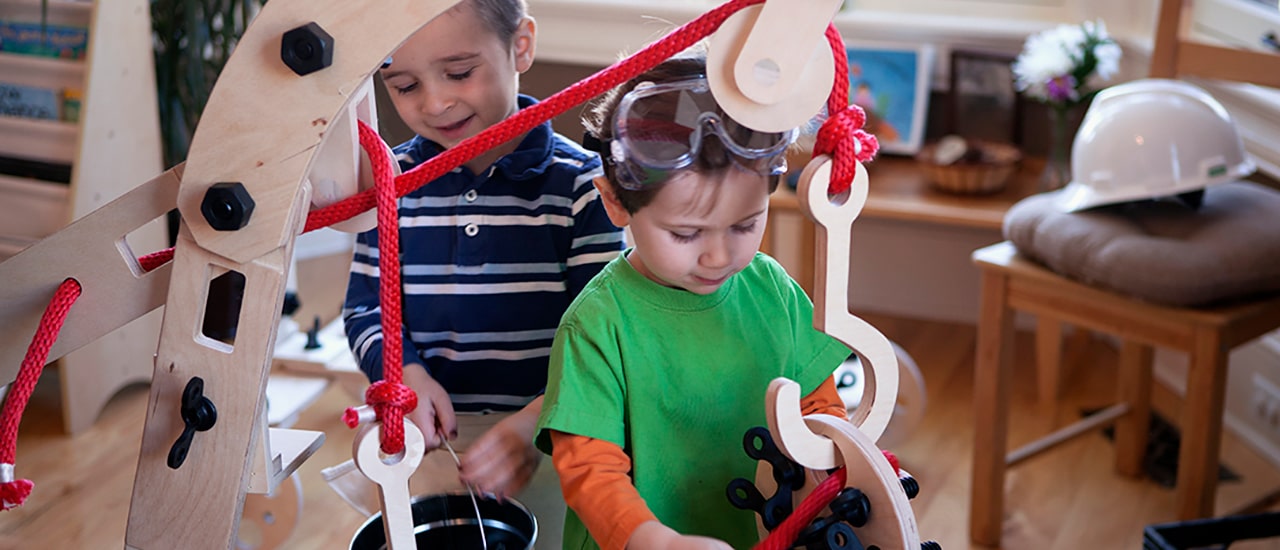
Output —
(1056, 64)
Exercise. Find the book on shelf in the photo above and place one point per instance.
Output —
(35, 169)
(20, 100)
(61, 41)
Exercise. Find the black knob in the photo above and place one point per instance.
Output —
(910, 485)
(306, 49)
(198, 415)
(852, 506)
(313, 335)
(227, 206)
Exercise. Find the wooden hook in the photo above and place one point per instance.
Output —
(831, 301)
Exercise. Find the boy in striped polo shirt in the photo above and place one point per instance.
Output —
(493, 253)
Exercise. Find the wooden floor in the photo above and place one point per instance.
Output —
(1067, 499)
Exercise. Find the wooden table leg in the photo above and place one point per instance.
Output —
(1048, 359)
(1135, 390)
(1202, 426)
(992, 379)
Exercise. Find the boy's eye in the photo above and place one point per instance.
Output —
(461, 75)
(684, 237)
(405, 88)
(746, 227)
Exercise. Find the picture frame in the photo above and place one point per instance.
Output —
(891, 83)
(983, 101)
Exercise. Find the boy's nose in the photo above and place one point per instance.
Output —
(716, 255)
(435, 103)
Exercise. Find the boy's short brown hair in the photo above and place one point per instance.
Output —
(503, 17)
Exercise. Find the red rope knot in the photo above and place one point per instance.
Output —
(12, 492)
(842, 137)
(391, 401)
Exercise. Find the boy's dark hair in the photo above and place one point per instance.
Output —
(500, 16)
(713, 159)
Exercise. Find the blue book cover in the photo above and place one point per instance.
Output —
(52, 41)
(17, 100)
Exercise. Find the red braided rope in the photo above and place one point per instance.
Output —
(390, 399)
(14, 492)
(841, 135)
(782, 537)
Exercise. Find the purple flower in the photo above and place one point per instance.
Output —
(1062, 89)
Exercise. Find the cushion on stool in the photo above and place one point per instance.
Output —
(1160, 251)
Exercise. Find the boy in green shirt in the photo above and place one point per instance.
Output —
(661, 363)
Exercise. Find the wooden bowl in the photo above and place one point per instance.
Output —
(984, 168)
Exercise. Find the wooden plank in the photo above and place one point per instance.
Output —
(277, 120)
(115, 290)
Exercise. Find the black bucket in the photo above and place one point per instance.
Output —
(448, 522)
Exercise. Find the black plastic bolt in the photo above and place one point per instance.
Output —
(852, 506)
(910, 485)
(198, 415)
(227, 206)
(829, 533)
(306, 49)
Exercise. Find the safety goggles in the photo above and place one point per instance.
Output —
(659, 128)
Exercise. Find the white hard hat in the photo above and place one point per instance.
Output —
(1152, 138)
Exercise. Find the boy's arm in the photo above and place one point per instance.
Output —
(596, 481)
(824, 400)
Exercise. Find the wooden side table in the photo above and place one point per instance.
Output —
(1012, 283)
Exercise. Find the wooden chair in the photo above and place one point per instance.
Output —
(1011, 283)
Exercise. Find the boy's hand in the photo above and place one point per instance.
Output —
(434, 415)
(502, 461)
(652, 535)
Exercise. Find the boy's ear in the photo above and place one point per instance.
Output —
(612, 206)
(523, 44)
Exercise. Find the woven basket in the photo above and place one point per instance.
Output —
(989, 175)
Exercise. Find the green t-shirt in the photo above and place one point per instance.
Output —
(676, 379)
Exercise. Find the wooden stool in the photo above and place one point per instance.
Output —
(1011, 283)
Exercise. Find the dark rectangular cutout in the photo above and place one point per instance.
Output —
(223, 298)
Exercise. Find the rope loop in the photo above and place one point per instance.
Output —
(391, 401)
(842, 137)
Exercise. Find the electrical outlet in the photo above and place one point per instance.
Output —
(1265, 403)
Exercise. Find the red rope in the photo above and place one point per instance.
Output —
(841, 135)
(784, 536)
(14, 491)
(390, 399)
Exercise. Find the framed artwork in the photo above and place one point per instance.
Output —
(984, 102)
(892, 85)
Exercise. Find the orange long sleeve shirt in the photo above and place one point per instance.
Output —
(595, 476)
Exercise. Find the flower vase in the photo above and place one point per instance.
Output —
(1057, 166)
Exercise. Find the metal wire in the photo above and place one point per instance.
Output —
(479, 520)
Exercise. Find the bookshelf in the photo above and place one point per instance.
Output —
(52, 172)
